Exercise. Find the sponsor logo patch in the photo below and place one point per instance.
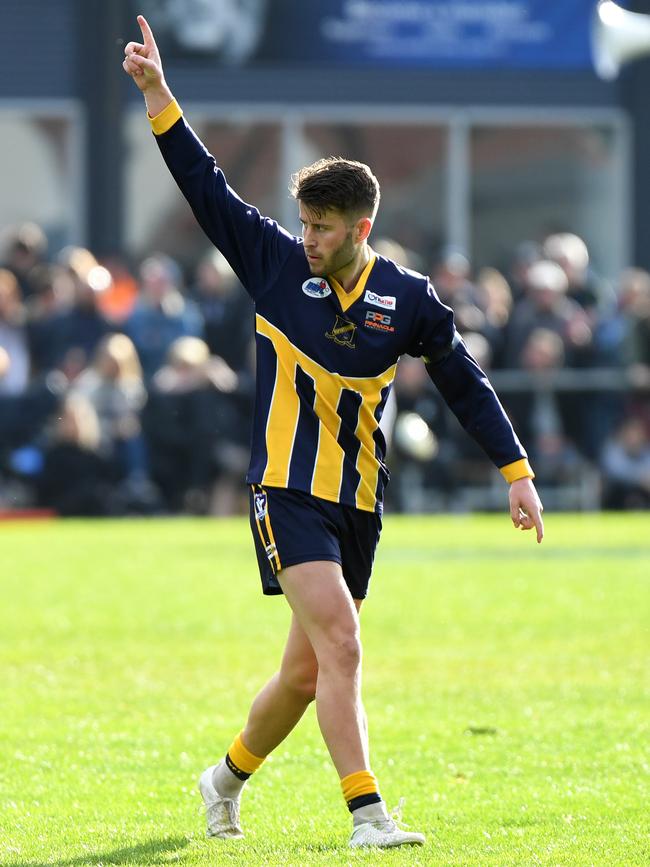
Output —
(260, 505)
(378, 321)
(386, 302)
(342, 332)
(316, 287)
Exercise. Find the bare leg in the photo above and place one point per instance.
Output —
(282, 702)
(324, 608)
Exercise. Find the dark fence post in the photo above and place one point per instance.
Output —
(102, 31)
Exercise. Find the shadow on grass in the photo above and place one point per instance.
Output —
(151, 852)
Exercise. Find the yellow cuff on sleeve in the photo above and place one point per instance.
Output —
(517, 470)
(166, 119)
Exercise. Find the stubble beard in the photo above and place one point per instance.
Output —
(336, 261)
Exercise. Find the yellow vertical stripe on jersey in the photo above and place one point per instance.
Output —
(283, 418)
(367, 463)
(282, 421)
(328, 469)
(347, 299)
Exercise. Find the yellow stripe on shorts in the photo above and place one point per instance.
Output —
(267, 538)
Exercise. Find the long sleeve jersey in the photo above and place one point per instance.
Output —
(326, 359)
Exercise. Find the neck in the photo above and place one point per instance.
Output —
(350, 273)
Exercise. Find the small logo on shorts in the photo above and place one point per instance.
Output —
(316, 287)
(260, 505)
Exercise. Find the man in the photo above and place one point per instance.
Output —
(332, 319)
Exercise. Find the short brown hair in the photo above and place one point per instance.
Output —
(335, 183)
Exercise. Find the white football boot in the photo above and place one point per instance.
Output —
(382, 832)
(222, 814)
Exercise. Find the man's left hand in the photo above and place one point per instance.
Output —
(526, 507)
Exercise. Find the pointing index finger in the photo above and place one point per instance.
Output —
(147, 34)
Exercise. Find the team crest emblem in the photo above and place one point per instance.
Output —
(343, 332)
(260, 505)
(316, 287)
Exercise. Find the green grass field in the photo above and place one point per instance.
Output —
(507, 686)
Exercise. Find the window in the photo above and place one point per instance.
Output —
(42, 179)
(158, 216)
(527, 181)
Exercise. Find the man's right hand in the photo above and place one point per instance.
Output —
(142, 62)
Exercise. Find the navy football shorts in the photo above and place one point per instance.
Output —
(291, 527)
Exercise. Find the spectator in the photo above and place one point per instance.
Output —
(541, 414)
(494, 298)
(635, 305)
(75, 479)
(451, 278)
(525, 255)
(196, 425)
(23, 419)
(570, 252)
(79, 328)
(626, 467)
(622, 339)
(25, 250)
(54, 290)
(114, 387)
(546, 306)
(161, 314)
(13, 336)
(226, 309)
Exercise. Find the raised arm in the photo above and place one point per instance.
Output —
(255, 246)
(142, 62)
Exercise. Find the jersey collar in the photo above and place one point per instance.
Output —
(347, 299)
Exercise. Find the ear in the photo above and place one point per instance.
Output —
(362, 229)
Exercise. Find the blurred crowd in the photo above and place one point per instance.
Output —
(129, 389)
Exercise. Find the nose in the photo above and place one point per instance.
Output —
(308, 238)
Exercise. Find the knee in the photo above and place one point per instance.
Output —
(343, 654)
(301, 679)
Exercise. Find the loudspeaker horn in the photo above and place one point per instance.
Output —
(617, 37)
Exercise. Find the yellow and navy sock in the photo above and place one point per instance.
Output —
(360, 789)
(240, 761)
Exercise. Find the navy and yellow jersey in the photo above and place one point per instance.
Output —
(326, 359)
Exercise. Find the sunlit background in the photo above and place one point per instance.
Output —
(498, 147)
